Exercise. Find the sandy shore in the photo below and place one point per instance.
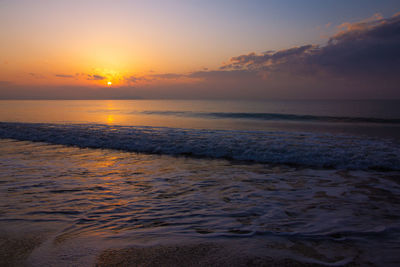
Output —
(34, 249)
(17, 250)
(14, 250)
(206, 254)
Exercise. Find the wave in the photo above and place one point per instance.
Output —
(271, 117)
(294, 148)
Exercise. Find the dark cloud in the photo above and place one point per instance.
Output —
(96, 77)
(361, 61)
(219, 75)
(255, 61)
(64, 76)
(367, 48)
(154, 77)
(168, 76)
(135, 79)
(370, 48)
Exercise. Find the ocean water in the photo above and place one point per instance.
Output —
(313, 181)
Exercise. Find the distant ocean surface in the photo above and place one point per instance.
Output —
(295, 174)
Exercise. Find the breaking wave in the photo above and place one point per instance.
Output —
(294, 148)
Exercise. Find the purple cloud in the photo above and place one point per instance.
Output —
(64, 76)
(167, 76)
(369, 48)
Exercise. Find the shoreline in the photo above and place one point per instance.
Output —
(41, 247)
(201, 254)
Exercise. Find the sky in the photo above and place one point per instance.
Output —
(115, 49)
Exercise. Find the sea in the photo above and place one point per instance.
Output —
(306, 182)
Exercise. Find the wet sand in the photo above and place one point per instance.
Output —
(206, 254)
(14, 249)
(40, 248)
(65, 206)
(43, 249)
(16, 252)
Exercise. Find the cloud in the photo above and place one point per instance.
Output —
(254, 61)
(36, 75)
(219, 75)
(64, 76)
(135, 79)
(96, 77)
(167, 76)
(369, 47)
(365, 48)
(376, 19)
(360, 61)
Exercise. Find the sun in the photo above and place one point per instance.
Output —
(109, 83)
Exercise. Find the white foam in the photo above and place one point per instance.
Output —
(299, 148)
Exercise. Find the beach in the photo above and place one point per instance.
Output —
(116, 194)
(199, 133)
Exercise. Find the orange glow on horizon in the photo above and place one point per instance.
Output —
(110, 119)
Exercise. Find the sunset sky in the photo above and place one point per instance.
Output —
(93, 49)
